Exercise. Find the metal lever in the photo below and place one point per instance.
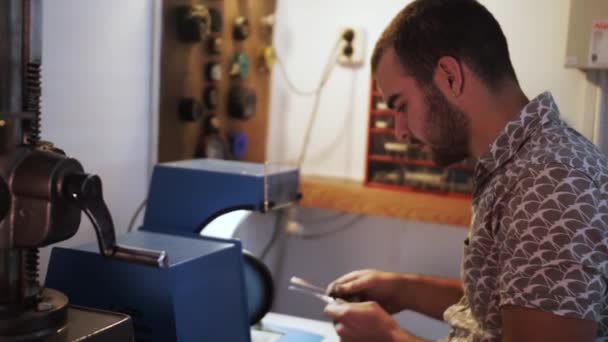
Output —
(86, 192)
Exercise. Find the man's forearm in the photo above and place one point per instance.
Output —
(430, 296)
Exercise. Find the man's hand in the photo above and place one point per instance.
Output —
(396, 292)
(366, 322)
(384, 288)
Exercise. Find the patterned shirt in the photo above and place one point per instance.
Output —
(539, 234)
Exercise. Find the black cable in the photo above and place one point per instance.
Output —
(274, 236)
(135, 215)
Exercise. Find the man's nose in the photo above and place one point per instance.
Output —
(402, 131)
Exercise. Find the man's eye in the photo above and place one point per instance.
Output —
(402, 108)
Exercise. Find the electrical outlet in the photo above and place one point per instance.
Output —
(356, 48)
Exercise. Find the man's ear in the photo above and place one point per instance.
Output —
(449, 76)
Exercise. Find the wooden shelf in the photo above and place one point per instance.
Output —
(382, 130)
(353, 197)
(382, 112)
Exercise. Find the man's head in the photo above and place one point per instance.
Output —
(428, 58)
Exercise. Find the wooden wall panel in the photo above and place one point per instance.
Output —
(182, 75)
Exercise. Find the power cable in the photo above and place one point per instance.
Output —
(320, 235)
(136, 214)
(322, 80)
(275, 234)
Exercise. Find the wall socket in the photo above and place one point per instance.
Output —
(357, 56)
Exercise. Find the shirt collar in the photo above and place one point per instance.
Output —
(538, 111)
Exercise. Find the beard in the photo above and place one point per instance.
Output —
(447, 128)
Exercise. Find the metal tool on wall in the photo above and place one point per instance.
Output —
(214, 45)
(190, 109)
(211, 142)
(266, 55)
(266, 59)
(242, 102)
(238, 144)
(267, 22)
(194, 23)
(217, 20)
(210, 97)
(239, 66)
(236, 27)
(241, 28)
(213, 71)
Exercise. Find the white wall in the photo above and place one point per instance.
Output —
(96, 96)
(305, 31)
(537, 32)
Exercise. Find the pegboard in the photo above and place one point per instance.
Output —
(184, 76)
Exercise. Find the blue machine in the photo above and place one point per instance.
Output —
(200, 295)
(194, 298)
(185, 196)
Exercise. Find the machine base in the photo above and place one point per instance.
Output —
(92, 325)
(83, 325)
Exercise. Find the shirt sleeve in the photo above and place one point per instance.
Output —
(554, 250)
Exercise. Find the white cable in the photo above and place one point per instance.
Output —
(331, 63)
(307, 134)
(324, 74)
(299, 232)
(291, 86)
(136, 214)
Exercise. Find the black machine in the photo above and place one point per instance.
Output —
(42, 195)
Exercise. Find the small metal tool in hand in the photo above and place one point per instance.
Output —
(301, 285)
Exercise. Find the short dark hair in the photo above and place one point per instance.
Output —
(426, 30)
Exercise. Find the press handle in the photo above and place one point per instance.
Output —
(85, 190)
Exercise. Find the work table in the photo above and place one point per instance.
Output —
(354, 197)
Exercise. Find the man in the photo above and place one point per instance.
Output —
(536, 260)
